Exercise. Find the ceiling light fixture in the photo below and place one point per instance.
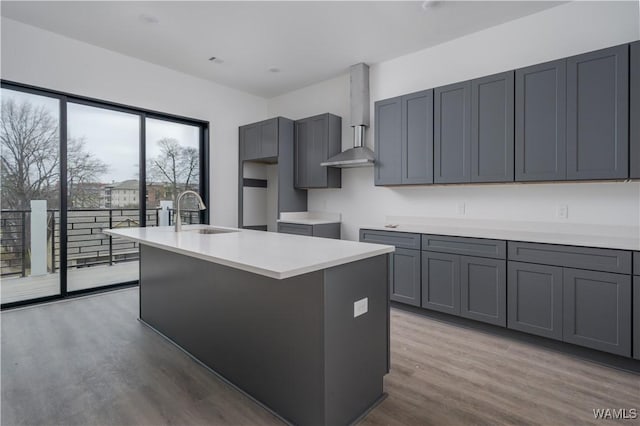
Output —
(216, 60)
(428, 4)
(148, 19)
(273, 69)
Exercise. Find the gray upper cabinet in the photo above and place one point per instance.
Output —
(636, 317)
(597, 310)
(417, 138)
(634, 112)
(492, 128)
(483, 290)
(452, 133)
(388, 142)
(598, 114)
(441, 282)
(534, 302)
(316, 139)
(259, 141)
(540, 122)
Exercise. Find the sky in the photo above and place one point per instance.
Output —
(112, 136)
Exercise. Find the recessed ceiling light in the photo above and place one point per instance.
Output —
(273, 69)
(148, 19)
(428, 4)
(216, 60)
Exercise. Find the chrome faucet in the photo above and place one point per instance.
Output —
(201, 206)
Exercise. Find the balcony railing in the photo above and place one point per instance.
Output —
(86, 244)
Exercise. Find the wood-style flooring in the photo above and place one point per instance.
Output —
(89, 361)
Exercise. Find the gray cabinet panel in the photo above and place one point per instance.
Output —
(636, 263)
(534, 302)
(596, 259)
(492, 128)
(597, 310)
(598, 114)
(392, 238)
(483, 290)
(452, 133)
(290, 199)
(405, 278)
(295, 228)
(636, 317)
(269, 138)
(540, 122)
(317, 139)
(417, 138)
(441, 282)
(388, 140)
(250, 141)
(634, 111)
(464, 245)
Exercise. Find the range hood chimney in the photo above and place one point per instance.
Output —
(359, 155)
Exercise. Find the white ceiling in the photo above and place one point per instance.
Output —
(308, 41)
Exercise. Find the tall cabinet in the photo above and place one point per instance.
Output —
(316, 139)
(634, 117)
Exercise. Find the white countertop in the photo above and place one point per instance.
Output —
(265, 253)
(574, 234)
(309, 218)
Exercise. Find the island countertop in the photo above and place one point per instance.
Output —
(270, 254)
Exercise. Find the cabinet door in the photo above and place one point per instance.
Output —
(452, 138)
(417, 138)
(636, 317)
(441, 282)
(301, 153)
(388, 143)
(534, 302)
(250, 141)
(492, 128)
(541, 121)
(597, 310)
(269, 138)
(634, 112)
(598, 114)
(405, 276)
(483, 290)
(317, 151)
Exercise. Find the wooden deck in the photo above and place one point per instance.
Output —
(32, 287)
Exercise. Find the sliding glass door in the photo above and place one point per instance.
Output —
(72, 167)
(30, 196)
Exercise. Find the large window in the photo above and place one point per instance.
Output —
(72, 167)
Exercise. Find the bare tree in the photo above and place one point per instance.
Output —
(176, 166)
(83, 173)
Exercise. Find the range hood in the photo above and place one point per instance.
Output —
(359, 155)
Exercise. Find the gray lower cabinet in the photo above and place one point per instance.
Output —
(598, 114)
(534, 302)
(316, 139)
(405, 276)
(597, 310)
(634, 111)
(452, 133)
(492, 128)
(483, 290)
(441, 282)
(325, 230)
(388, 133)
(540, 122)
(636, 316)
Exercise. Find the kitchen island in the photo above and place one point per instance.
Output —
(300, 324)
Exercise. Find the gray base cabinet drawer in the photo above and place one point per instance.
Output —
(534, 302)
(483, 290)
(392, 238)
(465, 246)
(441, 282)
(295, 228)
(405, 276)
(597, 310)
(636, 317)
(594, 259)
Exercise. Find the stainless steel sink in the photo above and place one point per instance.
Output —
(212, 231)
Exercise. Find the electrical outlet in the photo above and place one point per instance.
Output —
(461, 209)
(563, 211)
(360, 307)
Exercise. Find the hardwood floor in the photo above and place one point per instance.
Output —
(90, 362)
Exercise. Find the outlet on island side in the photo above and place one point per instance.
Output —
(360, 307)
(461, 208)
(562, 212)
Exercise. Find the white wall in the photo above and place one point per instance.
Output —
(555, 33)
(41, 58)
